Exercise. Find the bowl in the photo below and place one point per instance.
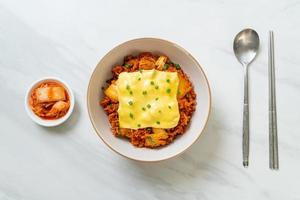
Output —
(190, 66)
(52, 122)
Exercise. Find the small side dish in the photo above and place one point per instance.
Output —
(49, 100)
(149, 100)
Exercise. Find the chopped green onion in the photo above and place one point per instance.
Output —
(148, 129)
(168, 80)
(144, 92)
(130, 103)
(152, 82)
(168, 90)
(149, 138)
(156, 87)
(156, 99)
(148, 106)
(170, 107)
(127, 87)
(177, 66)
(131, 115)
(158, 122)
(159, 111)
(166, 66)
(139, 125)
(139, 78)
(143, 108)
(127, 65)
(130, 92)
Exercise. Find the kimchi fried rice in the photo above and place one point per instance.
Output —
(151, 137)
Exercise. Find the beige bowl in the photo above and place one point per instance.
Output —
(177, 54)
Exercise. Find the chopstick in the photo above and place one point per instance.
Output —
(273, 139)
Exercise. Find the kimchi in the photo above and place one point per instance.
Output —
(49, 100)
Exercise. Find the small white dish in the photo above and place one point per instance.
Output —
(44, 122)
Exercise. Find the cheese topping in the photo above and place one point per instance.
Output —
(148, 98)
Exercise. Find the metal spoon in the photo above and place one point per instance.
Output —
(245, 46)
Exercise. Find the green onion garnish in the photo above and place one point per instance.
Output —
(131, 115)
(127, 65)
(166, 66)
(177, 66)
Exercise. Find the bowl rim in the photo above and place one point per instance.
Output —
(199, 67)
(40, 121)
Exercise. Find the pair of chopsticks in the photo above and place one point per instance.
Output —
(273, 139)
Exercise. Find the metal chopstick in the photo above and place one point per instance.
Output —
(273, 139)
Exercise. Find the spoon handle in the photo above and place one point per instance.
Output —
(246, 120)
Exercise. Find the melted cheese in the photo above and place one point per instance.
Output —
(148, 99)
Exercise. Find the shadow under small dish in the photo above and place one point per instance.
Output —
(153, 97)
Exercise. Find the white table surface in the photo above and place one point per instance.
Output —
(68, 38)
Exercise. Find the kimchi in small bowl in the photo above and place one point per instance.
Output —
(49, 101)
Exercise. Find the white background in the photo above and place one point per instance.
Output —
(68, 38)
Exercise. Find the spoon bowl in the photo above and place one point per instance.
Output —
(246, 45)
